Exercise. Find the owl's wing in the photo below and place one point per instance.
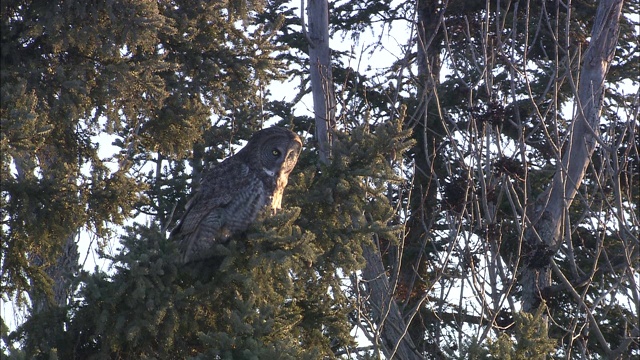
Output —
(205, 215)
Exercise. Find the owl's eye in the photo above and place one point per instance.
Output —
(275, 152)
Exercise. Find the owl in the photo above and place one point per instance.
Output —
(232, 194)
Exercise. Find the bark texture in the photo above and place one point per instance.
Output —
(324, 103)
(395, 341)
(548, 215)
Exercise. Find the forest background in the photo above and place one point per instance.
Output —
(469, 185)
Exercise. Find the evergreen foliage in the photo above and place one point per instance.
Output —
(437, 158)
(531, 339)
(528, 340)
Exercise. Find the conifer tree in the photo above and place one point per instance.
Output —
(436, 164)
(151, 75)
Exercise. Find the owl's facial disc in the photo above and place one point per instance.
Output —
(292, 157)
(273, 159)
(279, 155)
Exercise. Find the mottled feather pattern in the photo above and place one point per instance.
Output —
(232, 194)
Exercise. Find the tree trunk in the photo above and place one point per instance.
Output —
(324, 103)
(396, 342)
(543, 236)
(428, 133)
(61, 274)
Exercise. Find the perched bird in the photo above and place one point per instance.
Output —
(232, 194)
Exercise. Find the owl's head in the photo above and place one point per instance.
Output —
(274, 150)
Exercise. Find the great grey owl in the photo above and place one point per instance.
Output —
(232, 194)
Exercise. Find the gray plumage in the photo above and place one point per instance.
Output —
(232, 194)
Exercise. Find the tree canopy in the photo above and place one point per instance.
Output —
(468, 188)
